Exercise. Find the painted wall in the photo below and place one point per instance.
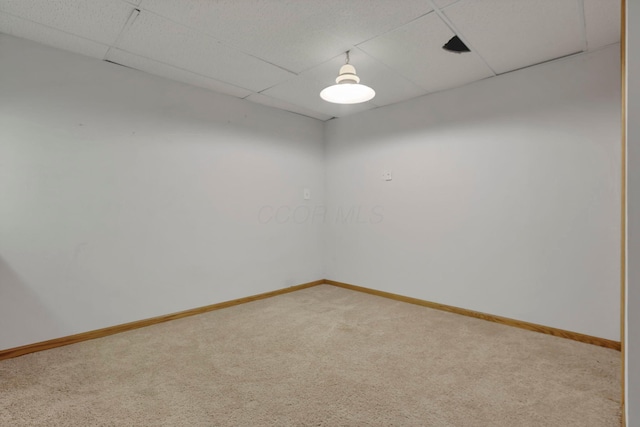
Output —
(125, 196)
(632, 327)
(140, 196)
(504, 198)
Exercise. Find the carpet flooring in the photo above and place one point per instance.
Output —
(322, 356)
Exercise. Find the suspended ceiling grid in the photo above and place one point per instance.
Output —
(282, 53)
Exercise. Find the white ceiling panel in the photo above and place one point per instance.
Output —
(173, 73)
(283, 105)
(306, 93)
(516, 33)
(162, 40)
(390, 87)
(440, 4)
(602, 22)
(296, 35)
(282, 53)
(415, 51)
(96, 20)
(19, 27)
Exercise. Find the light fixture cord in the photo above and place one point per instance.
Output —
(347, 60)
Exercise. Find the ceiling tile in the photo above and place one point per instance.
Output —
(306, 93)
(173, 73)
(295, 35)
(443, 3)
(390, 86)
(243, 47)
(415, 51)
(19, 27)
(97, 20)
(162, 40)
(517, 33)
(358, 20)
(603, 22)
(283, 105)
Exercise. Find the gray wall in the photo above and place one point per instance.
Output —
(505, 196)
(125, 196)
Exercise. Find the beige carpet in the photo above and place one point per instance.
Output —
(323, 356)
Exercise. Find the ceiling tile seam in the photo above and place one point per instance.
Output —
(602, 47)
(127, 24)
(137, 69)
(583, 25)
(560, 58)
(548, 61)
(285, 109)
(278, 84)
(280, 108)
(258, 58)
(182, 69)
(289, 111)
(221, 42)
(450, 4)
(401, 71)
(438, 91)
(393, 29)
(460, 35)
(296, 73)
(318, 64)
(54, 28)
(402, 100)
(122, 65)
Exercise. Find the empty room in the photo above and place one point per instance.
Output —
(322, 213)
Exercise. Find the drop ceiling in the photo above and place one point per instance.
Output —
(282, 53)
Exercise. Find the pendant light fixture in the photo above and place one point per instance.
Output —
(347, 89)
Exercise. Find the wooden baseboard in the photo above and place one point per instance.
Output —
(99, 333)
(602, 342)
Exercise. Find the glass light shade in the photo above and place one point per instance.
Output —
(347, 93)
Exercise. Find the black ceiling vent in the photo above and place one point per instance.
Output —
(456, 45)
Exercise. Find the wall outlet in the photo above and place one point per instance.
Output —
(306, 194)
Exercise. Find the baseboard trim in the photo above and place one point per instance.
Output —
(602, 342)
(111, 330)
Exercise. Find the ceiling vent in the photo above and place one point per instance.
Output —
(456, 45)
